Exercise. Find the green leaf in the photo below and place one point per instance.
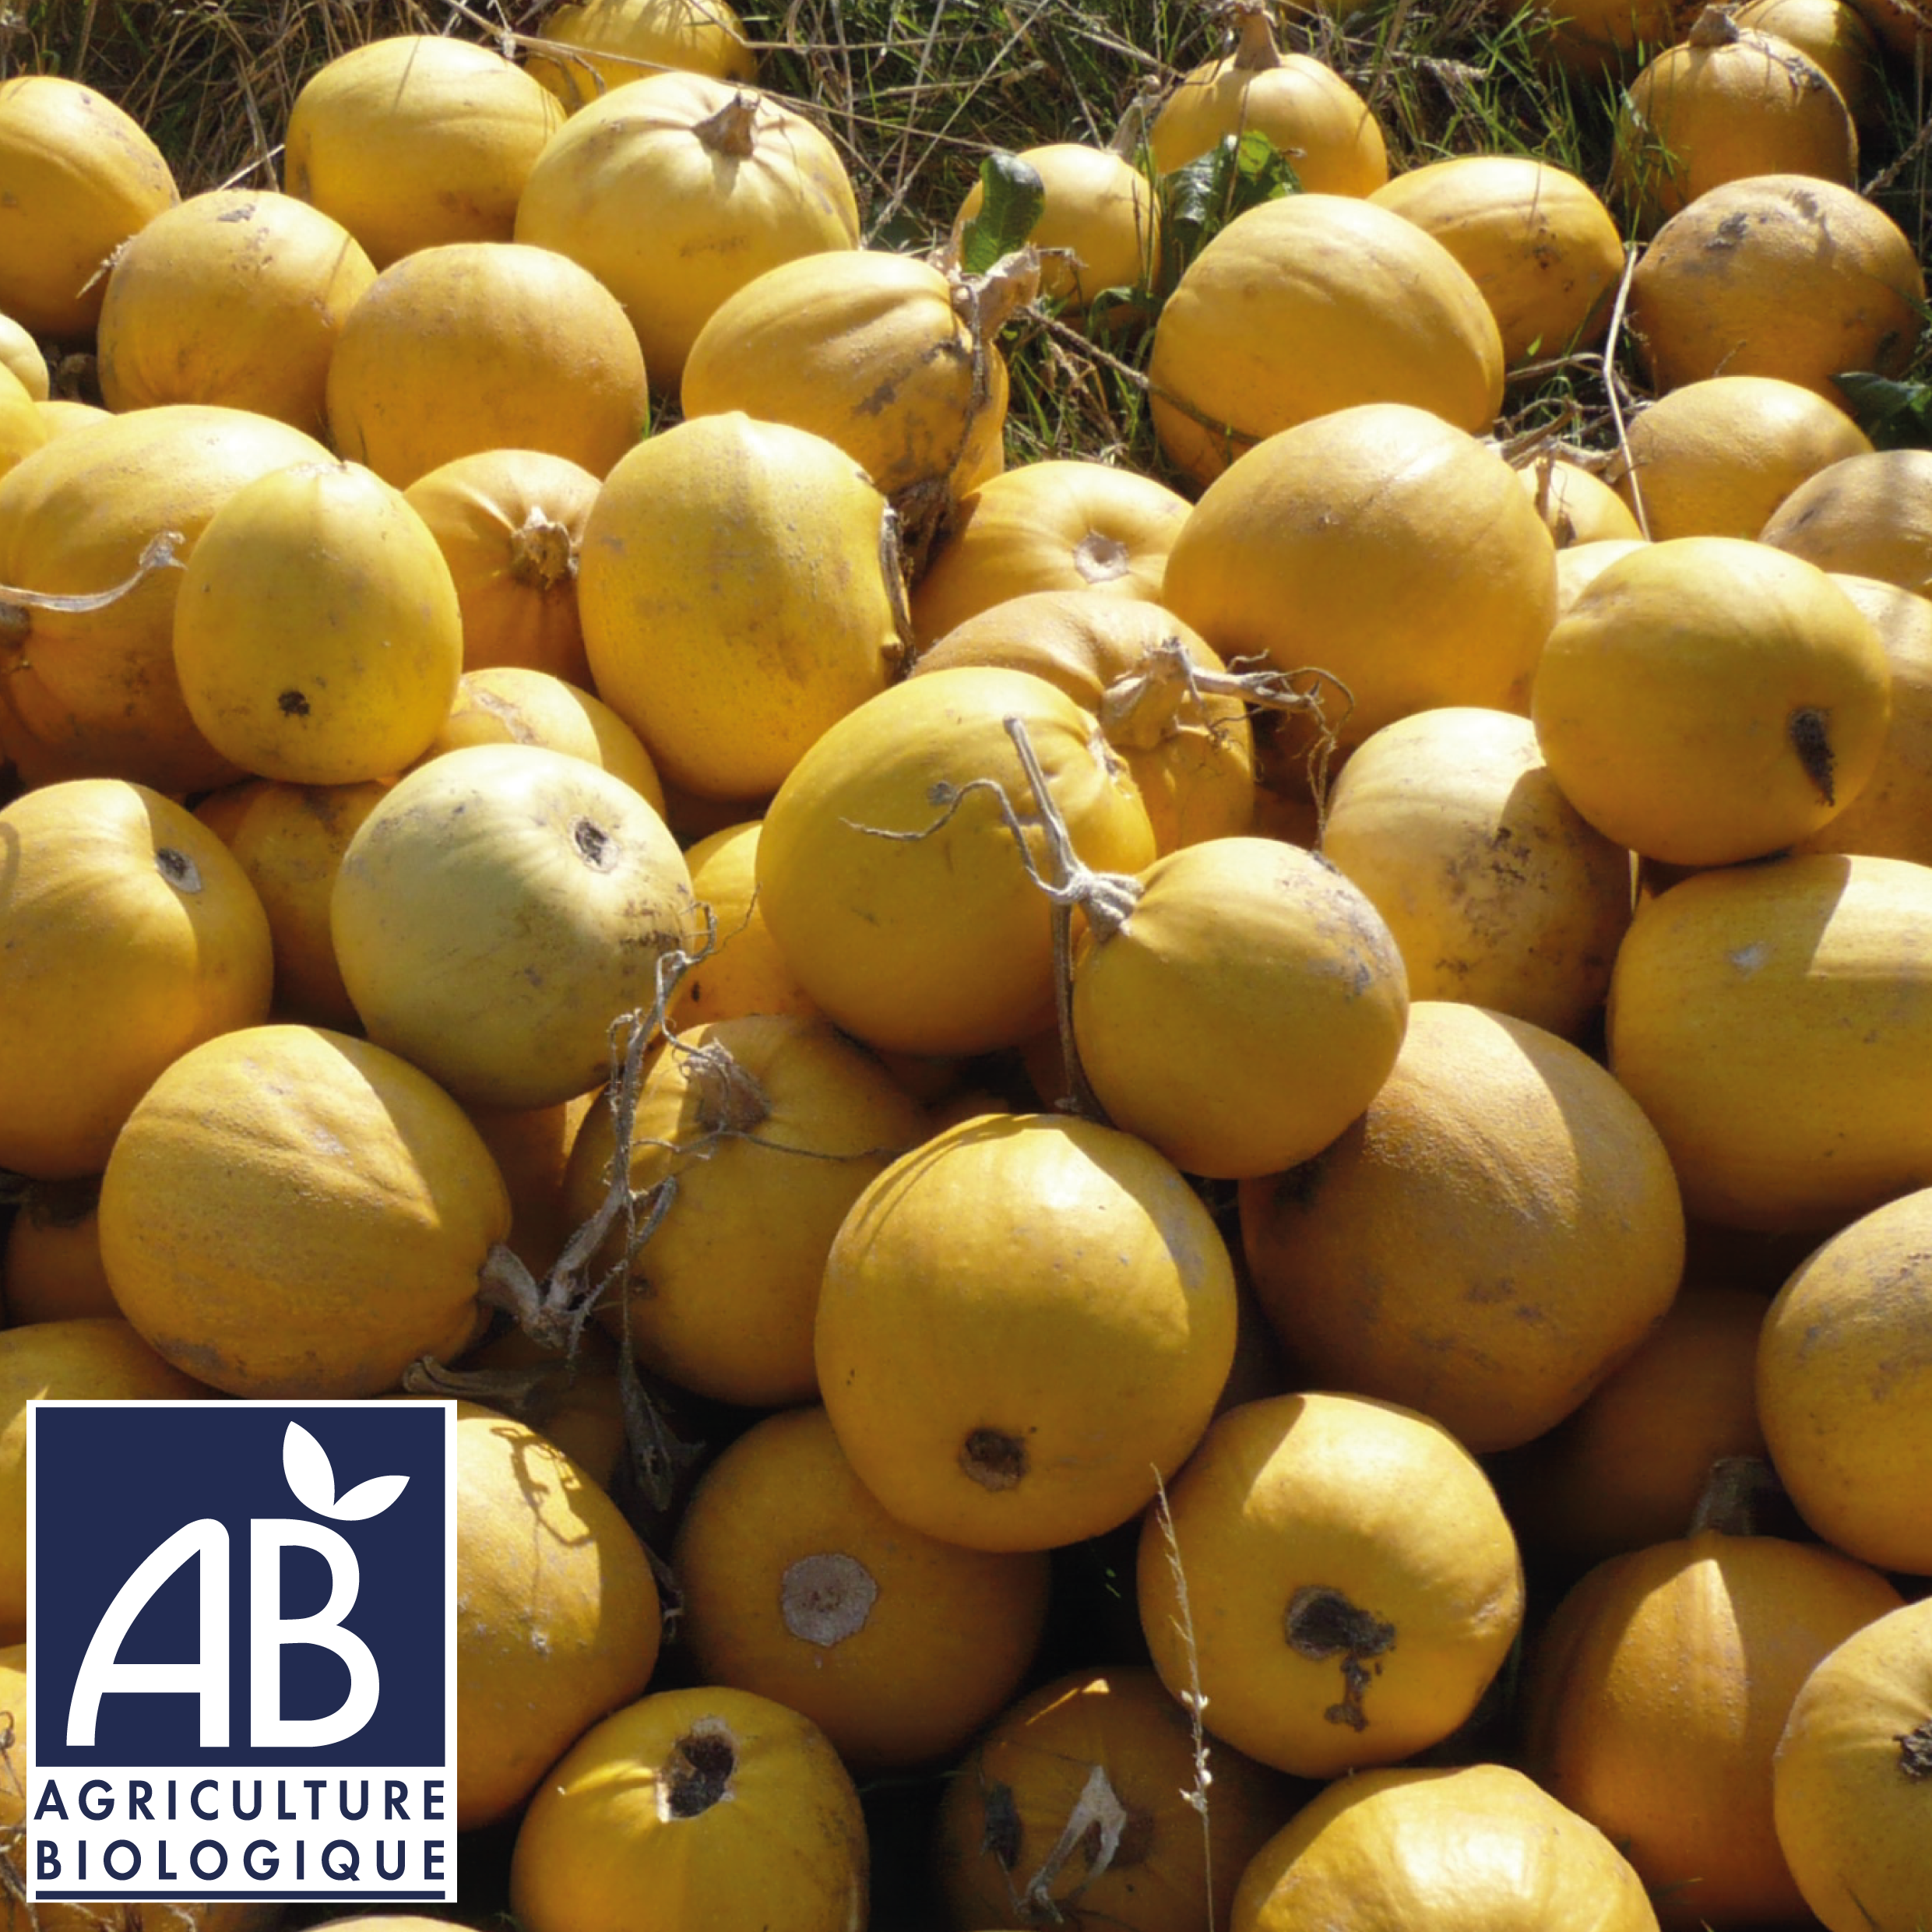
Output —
(1895, 415)
(1200, 199)
(1011, 198)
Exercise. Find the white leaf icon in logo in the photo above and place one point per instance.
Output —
(305, 1463)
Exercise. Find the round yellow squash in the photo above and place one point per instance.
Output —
(736, 181)
(600, 44)
(1775, 1022)
(413, 140)
(1722, 104)
(293, 1213)
(1497, 1232)
(485, 345)
(1654, 1700)
(509, 523)
(1715, 457)
(317, 639)
(1309, 304)
(87, 693)
(743, 971)
(1242, 1011)
(50, 1264)
(290, 840)
(770, 1126)
(1891, 817)
(1063, 524)
(796, 1585)
(1307, 111)
(1495, 889)
(1381, 546)
(128, 934)
(556, 1610)
(1131, 663)
(891, 882)
(1834, 34)
(1869, 514)
(22, 428)
(235, 297)
(1102, 1759)
(1844, 1388)
(21, 353)
(97, 1359)
(78, 177)
(1022, 1330)
(497, 912)
(866, 349)
(1783, 275)
(1709, 699)
(1436, 1850)
(1627, 1469)
(735, 599)
(1537, 242)
(1099, 226)
(505, 704)
(711, 1807)
(1352, 1583)
(1852, 1780)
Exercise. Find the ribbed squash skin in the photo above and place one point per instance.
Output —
(1306, 110)
(1843, 1390)
(1063, 524)
(1495, 889)
(1717, 458)
(1722, 105)
(1490, 1277)
(611, 43)
(546, 1643)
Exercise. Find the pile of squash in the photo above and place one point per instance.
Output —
(1230, 1171)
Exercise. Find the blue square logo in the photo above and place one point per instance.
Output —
(242, 1649)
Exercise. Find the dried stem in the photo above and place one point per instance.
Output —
(1194, 1697)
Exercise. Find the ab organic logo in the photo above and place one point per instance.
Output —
(241, 1635)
